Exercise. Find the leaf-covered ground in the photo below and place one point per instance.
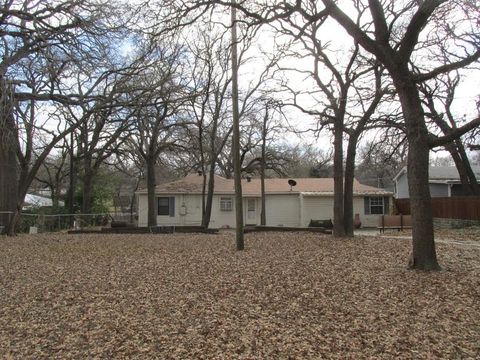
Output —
(290, 295)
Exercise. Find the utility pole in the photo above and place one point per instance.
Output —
(236, 136)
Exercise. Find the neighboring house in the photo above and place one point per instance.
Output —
(444, 181)
(180, 202)
(36, 201)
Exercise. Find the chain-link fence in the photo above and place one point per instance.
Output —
(31, 222)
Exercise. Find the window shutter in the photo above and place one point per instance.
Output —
(172, 206)
(366, 203)
(386, 205)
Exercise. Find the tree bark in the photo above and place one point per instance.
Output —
(263, 214)
(151, 183)
(8, 158)
(236, 137)
(72, 179)
(87, 187)
(8, 185)
(348, 186)
(462, 163)
(210, 189)
(423, 255)
(338, 214)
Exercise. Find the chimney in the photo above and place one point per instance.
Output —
(249, 178)
(199, 172)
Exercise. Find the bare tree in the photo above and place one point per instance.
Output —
(54, 172)
(399, 34)
(157, 95)
(441, 94)
(42, 46)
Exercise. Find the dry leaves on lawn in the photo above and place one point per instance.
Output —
(288, 295)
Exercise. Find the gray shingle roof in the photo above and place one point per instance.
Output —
(448, 172)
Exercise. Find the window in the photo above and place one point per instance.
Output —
(376, 205)
(226, 204)
(166, 206)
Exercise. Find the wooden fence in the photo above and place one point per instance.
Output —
(457, 207)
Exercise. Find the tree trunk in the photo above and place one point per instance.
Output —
(8, 185)
(423, 255)
(348, 186)
(338, 215)
(72, 177)
(236, 138)
(462, 163)
(204, 193)
(263, 215)
(8, 158)
(87, 190)
(151, 183)
(210, 189)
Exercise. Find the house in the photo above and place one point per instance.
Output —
(35, 201)
(180, 202)
(444, 181)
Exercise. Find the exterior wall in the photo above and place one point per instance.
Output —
(321, 208)
(187, 211)
(283, 210)
(142, 210)
(317, 208)
(439, 190)
(221, 219)
(401, 187)
(359, 208)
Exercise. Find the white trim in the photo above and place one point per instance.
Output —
(402, 170)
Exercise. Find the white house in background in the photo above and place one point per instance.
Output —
(444, 181)
(180, 202)
(35, 201)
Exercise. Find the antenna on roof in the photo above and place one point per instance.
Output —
(292, 183)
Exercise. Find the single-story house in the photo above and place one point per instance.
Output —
(444, 181)
(179, 202)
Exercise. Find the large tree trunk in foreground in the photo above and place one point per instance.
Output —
(263, 213)
(8, 185)
(8, 158)
(237, 166)
(348, 186)
(423, 256)
(210, 187)
(338, 215)
(151, 183)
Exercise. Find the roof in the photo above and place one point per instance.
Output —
(443, 173)
(32, 200)
(309, 186)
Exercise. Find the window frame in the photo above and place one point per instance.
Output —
(224, 201)
(378, 203)
(169, 206)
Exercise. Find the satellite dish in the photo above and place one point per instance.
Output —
(292, 183)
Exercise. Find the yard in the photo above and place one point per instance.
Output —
(292, 295)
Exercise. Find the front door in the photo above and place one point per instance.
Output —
(251, 211)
